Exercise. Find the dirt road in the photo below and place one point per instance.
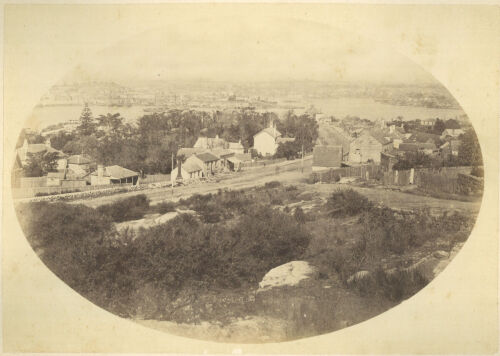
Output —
(289, 171)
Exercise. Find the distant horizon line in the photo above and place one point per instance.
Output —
(239, 81)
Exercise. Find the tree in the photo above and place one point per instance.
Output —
(288, 150)
(439, 127)
(111, 124)
(59, 140)
(87, 125)
(39, 164)
(469, 151)
(304, 128)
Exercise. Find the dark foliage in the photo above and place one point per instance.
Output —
(272, 184)
(132, 208)
(68, 238)
(165, 207)
(136, 273)
(299, 215)
(469, 151)
(288, 150)
(39, 164)
(477, 171)
(347, 202)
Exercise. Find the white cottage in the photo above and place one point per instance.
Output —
(265, 142)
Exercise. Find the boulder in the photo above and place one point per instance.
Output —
(441, 254)
(289, 274)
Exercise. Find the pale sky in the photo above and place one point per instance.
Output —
(264, 49)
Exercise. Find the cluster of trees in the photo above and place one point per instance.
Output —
(303, 128)
(39, 164)
(148, 145)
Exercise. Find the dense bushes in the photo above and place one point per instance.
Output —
(477, 171)
(216, 207)
(68, 238)
(131, 208)
(398, 231)
(165, 207)
(186, 250)
(347, 202)
(226, 204)
(272, 184)
(112, 269)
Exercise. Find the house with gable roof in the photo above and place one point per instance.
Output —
(266, 141)
(27, 148)
(113, 175)
(368, 146)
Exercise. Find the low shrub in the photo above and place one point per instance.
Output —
(272, 184)
(276, 201)
(131, 208)
(398, 231)
(165, 207)
(299, 215)
(347, 202)
(477, 171)
(68, 238)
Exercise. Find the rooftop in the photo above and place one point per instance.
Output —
(117, 172)
(207, 157)
(270, 131)
(190, 167)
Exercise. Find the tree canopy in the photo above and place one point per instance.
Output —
(41, 163)
(469, 151)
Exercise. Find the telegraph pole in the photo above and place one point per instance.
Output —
(172, 175)
(302, 161)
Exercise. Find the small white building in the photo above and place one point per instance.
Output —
(265, 142)
(236, 147)
(186, 171)
(451, 133)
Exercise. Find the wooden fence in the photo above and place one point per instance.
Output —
(333, 175)
(262, 163)
(155, 178)
(451, 180)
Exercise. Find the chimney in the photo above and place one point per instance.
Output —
(100, 170)
(392, 128)
(47, 142)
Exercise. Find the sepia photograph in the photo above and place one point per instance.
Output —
(240, 181)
